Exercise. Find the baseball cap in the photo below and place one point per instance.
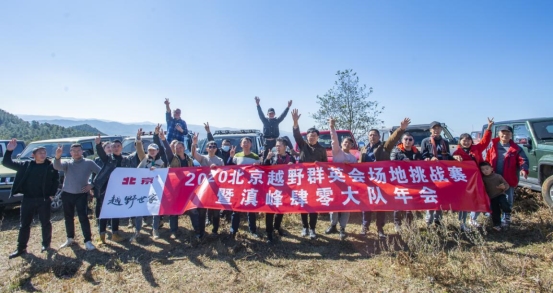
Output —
(505, 127)
(434, 124)
(38, 149)
(153, 146)
(177, 110)
(271, 110)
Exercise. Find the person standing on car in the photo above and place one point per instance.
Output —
(509, 160)
(176, 158)
(115, 160)
(435, 148)
(407, 152)
(198, 216)
(311, 151)
(469, 152)
(245, 157)
(176, 127)
(281, 157)
(38, 181)
(340, 154)
(270, 124)
(377, 151)
(150, 161)
(75, 192)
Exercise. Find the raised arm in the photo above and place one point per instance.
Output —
(167, 107)
(486, 137)
(285, 112)
(100, 149)
(195, 154)
(296, 129)
(7, 159)
(334, 137)
(391, 143)
(162, 155)
(139, 147)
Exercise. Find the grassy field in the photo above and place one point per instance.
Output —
(442, 260)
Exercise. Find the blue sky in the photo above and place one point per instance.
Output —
(457, 62)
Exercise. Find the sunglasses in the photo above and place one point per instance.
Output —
(408, 139)
(211, 146)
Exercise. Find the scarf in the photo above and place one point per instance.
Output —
(401, 147)
(435, 148)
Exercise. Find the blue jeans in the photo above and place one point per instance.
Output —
(138, 223)
(510, 198)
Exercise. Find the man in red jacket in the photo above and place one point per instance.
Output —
(508, 160)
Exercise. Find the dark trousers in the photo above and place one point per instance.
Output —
(104, 222)
(235, 222)
(269, 222)
(312, 220)
(215, 216)
(499, 204)
(380, 219)
(399, 215)
(268, 146)
(80, 202)
(29, 207)
(197, 217)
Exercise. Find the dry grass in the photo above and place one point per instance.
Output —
(417, 260)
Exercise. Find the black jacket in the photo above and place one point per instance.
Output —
(399, 155)
(110, 163)
(270, 126)
(277, 160)
(225, 156)
(50, 182)
(426, 149)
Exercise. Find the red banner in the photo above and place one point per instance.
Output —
(328, 187)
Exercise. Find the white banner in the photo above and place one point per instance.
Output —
(136, 195)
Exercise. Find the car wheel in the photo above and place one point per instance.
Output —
(56, 204)
(547, 191)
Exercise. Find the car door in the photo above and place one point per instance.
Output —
(522, 136)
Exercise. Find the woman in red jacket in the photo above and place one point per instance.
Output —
(469, 152)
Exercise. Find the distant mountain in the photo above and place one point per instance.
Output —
(119, 128)
(12, 126)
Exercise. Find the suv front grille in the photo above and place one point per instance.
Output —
(6, 181)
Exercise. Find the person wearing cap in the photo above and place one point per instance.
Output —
(509, 160)
(435, 148)
(311, 151)
(270, 124)
(151, 161)
(377, 151)
(176, 127)
(100, 182)
(198, 216)
(75, 192)
(38, 181)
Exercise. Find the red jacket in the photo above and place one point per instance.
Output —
(475, 150)
(515, 161)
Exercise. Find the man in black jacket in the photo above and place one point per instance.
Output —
(38, 181)
(270, 124)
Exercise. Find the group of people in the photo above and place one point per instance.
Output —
(501, 162)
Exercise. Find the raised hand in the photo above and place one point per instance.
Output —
(289, 103)
(270, 155)
(167, 102)
(490, 123)
(12, 144)
(332, 122)
(156, 130)
(195, 139)
(257, 100)
(295, 115)
(139, 134)
(206, 127)
(59, 152)
(524, 174)
(98, 139)
(232, 151)
(458, 158)
(162, 134)
(405, 123)
(179, 128)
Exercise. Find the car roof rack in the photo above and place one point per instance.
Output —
(236, 131)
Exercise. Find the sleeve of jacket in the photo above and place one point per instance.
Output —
(325, 158)
(523, 160)
(55, 183)
(210, 137)
(9, 163)
(283, 115)
(59, 165)
(168, 118)
(298, 138)
(484, 142)
(168, 152)
(391, 143)
(426, 153)
(261, 115)
(334, 141)
(101, 153)
(394, 154)
(449, 156)
(161, 149)
(140, 151)
(184, 127)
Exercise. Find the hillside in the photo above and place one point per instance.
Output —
(12, 126)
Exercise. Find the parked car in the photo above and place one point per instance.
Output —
(476, 136)
(51, 145)
(7, 175)
(326, 141)
(535, 136)
(420, 132)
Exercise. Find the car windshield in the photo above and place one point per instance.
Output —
(50, 149)
(543, 129)
(235, 141)
(326, 141)
(18, 149)
(129, 148)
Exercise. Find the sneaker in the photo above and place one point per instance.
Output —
(497, 228)
(155, 233)
(17, 253)
(474, 223)
(89, 246)
(160, 224)
(130, 225)
(304, 232)
(44, 248)
(397, 228)
(173, 236)
(331, 230)
(116, 237)
(312, 234)
(364, 230)
(342, 233)
(134, 237)
(101, 239)
(507, 219)
(381, 234)
(67, 243)
(464, 228)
